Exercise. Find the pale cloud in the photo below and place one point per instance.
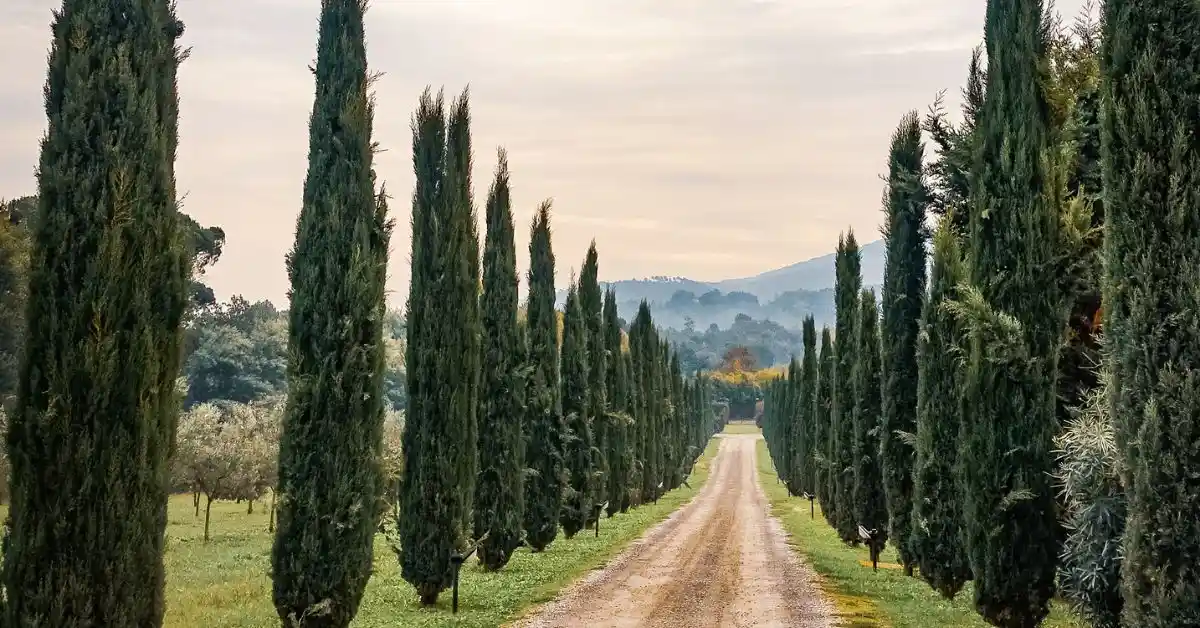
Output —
(703, 138)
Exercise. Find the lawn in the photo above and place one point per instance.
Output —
(867, 599)
(741, 427)
(225, 583)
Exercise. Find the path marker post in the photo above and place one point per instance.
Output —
(598, 508)
(812, 511)
(457, 560)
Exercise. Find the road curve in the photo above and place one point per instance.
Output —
(721, 560)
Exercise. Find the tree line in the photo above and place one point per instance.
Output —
(974, 417)
(511, 433)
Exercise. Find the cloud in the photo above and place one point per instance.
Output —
(713, 139)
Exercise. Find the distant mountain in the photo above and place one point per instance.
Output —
(784, 295)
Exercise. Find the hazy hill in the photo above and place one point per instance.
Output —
(784, 295)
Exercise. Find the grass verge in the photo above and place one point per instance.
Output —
(864, 598)
(225, 583)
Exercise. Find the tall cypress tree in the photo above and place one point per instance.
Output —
(937, 536)
(848, 284)
(785, 429)
(617, 452)
(633, 486)
(676, 437)
(646, 360)
(870, 502)
(1152, 192)
(808, 434)
(443, 352)
(823, 426)
(1016, 317)
(577, 500)
(591, 301)
(903, 294)
(95, 413)
(499, 489)
(543, 415)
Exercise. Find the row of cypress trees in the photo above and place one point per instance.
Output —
(93, 423)
(971, 380)
(512, 436)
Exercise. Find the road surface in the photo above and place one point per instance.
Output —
(721, 561)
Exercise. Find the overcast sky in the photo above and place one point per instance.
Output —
(704, 138)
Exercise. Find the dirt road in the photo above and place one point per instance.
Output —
(720, 561)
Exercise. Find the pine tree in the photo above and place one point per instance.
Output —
(807, 434)
(903, 294)
(1015, 317)
(577, 500)
(544, 427)
(937, 535)
(499, 489)
(618, 451)
(848, 285)
(443, 352)
(823, 443)
(591, 301)
(1152, 192)
(95, 412)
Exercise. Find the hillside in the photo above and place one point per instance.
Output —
(784, 295)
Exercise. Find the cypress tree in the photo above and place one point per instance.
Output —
(870, 502)
(823, 426)
(650, 453)
(785, 428)
(848, 285)
(591, 301)
(937, 535)
(1016, 318)
(807, 433)
(633, 486)
(499, 490)
(443, 352)
(543, 415)
(677, 436)
(577, 500)
(618, 452)
(1151, 162)
(95, 412)
(903, 294)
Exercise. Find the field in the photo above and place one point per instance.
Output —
(864, 598)
(225, 583)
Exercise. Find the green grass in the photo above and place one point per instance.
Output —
(741, 427)
(225, 583)
(867, 599)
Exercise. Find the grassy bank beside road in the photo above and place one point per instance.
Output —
(864, 598)
(225, 583)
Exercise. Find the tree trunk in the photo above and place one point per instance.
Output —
(249, 506)
(196, 501)
(207, 513)
(271, 522)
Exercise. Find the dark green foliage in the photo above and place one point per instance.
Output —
(870, 502)
(846, 294)
(1151, 68)
(676, 436)
(499, 488)
(1095, 509)
(94, 420)
(619, 454)
(591, 302)
(805, 431)
(823, 426)
(1015, 319)
(578, 498)
(14, 286)
(643, 341)
(950, 173)
(904, 206)
(543, 415)
(633, 490)
(787, 427)
(937, 535)
(443, 351)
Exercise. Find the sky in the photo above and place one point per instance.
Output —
(710, 139)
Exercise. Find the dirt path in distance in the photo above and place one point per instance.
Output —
(719, 561)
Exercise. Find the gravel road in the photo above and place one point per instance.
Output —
(721, 560)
